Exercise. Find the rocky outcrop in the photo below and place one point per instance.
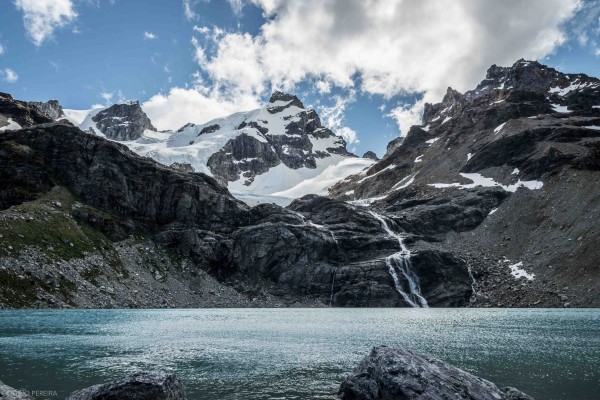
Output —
(20, 112)
(487, 174)
(51, 108)
(395, 373)
(123, 122)
(139, 386)
(320, 251)
(370, 155)
(9, 393)
(285, 133)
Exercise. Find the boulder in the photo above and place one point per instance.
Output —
(9, 393)
(139, 386)
(395, 373)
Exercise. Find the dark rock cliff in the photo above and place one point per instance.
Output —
(123, 122)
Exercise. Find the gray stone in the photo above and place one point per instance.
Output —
(395, 373)
(139, 386)
(9, 393)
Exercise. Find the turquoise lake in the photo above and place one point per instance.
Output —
(297, 353)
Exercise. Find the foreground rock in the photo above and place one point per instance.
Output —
(139, 386)
(9, 393)
(395, 373)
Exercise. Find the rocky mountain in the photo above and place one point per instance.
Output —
(491, 202)
(51, 108)
(120, 122)
(86, 222)
(506, 176)
(268, 151)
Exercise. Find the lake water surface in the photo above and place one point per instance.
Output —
(297, 353)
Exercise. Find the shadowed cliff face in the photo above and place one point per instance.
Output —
(318, 250)
(497, 186)
(505, 175)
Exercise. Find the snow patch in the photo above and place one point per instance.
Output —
(389, 167)
(595, 127)
(426, 128)
(559, 108)
(515, 171)
(499, 128)
(446, 120)
(329, 176)
(493, 210)
(432, 141)
(405, 182)
(469, 156)
(518, 272)
(480, 180)
(419, 159)
(12, 126)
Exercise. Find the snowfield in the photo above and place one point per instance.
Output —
(195, 144)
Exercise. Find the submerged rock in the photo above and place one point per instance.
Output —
(396, 373)
(139, 386)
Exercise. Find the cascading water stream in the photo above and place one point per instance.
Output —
(400, 261)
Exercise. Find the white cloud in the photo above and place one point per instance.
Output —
(43, 17)
(196, 105)
(237, 6)
(349, 135)
(333, 117)
(107, 96)
(150, 35)
(188, 10)
(113, 97)
(2, 50)
(407, 115)
(323, 87)
(385, 47)
(9, 75)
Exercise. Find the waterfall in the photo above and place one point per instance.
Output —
(400, 262)
(319, 227)
(332, 284)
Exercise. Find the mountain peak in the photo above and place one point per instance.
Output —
(290, 98)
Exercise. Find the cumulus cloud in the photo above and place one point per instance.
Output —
(150, 35)
(196, 105)
(43, 17)
(349, 135)
(8, 75)
(333, 117)
(323, 87)
(383, 47)
(407, 115)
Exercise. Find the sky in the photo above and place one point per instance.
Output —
(366, 66)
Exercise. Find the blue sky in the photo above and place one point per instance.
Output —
(364, 65)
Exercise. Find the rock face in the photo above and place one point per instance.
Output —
(19, 112)
(395, 373)
(122, 122)
(259, 151)
(139, 386)
(81, 200)
(509, 201)
(370, 155)
(50, 108)
(8, 393)
(281, 133)
(487, 173)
